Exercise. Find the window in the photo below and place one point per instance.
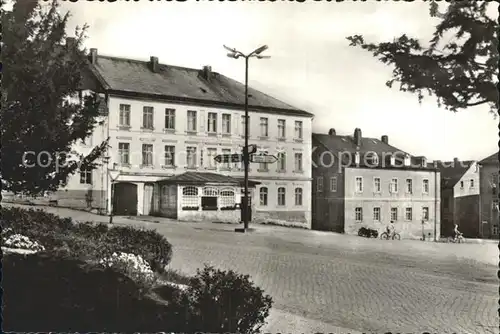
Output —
(243, 124)
(190, 197)
(85, 176)
(281, 162)
(394, 214)
(358, 215)
(472, 183)
(494, 205)
(359, 184)
(191, 157)
(227, 198)
(191, 119)
(298, 196)
(281, 196)
(147, 154)
(408, 214)
(281, 128)
(169, 155)
(494, 230)
(377, 187)
(425, 213)
(209, 198)
(319, 184)
(212, 122)
(394, 185)
(264, 127)
(298, 162)
(461, 184)
(226, 163)
(263, 196)
(425, 186)
(124, 152)
(374, 159)
(263, 167)
(226, 124)
(170, 119)
(298, 129)
(125, 115)
(211, 153)
(333, 184)
(376, 214)
(409, 186)
(147, 118)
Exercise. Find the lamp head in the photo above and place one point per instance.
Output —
(261, 49)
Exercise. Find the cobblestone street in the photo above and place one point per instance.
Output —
(347, 282)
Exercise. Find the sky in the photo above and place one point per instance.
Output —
(312, 66)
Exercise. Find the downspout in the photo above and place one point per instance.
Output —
(435, 203)
(107, 154)
(479, 204)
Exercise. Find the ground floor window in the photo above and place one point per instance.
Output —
(298, 196)
(376, 214)
(425, 213)
(281, 196)
(263, 196)
(358, 215)
(209, 198)
(408, 214)
(394, 214)
(190, 198)
(227, 198)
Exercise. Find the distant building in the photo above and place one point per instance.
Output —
(489, 196)
(366, 182)
(459, 197)
(164, 121)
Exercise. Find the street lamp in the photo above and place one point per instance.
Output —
(233, 53)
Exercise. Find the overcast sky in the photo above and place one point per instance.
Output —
(312, 66)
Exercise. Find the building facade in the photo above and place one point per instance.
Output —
(489, 197)
(163, 121)
(365, 182)
(460, 197)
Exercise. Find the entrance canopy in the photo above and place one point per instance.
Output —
(200, 178)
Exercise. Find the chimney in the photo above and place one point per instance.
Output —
(385, 139)
(70, 43)
(332, 132)
(357, 136)
(153, 63)
(207, 72)
(93, 56)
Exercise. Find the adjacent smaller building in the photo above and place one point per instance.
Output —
(366, 182)
(488, 173)
(459, 197)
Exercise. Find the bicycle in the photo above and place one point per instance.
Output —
(458, 240)
(395, 236)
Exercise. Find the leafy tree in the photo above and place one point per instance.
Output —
(459, 65)
(37, 119)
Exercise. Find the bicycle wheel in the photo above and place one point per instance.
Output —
(396, 236)
(384, 236)
(450, 239)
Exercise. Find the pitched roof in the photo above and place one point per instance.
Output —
(182, 84)
(345, 147)
(202, 178)
(492, 159)
(452, 172)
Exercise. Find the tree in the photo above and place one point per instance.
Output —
(459, 71)
(38, 121)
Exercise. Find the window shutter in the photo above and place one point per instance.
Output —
(201, 121)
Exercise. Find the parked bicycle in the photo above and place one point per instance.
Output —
(393, 236)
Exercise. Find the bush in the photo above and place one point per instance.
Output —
(88, 240)
(223, 301)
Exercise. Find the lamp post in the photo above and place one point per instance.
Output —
(233, 53)
(113, 174)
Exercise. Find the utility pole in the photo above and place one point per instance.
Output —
(246, 156)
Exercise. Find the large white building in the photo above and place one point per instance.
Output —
(164, 121)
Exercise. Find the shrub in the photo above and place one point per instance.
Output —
(22, 242)
(133, 266)
(86, 239)
(223, 301)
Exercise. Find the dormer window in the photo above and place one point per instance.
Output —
(372, 158)
(392, 160)
(424, 162)
(407, 161)
(356, 158)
